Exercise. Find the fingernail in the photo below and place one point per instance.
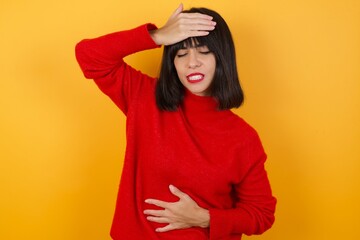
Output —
(172, 188)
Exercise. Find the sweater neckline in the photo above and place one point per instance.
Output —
(197, 103)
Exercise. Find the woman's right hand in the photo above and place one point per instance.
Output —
(181, 26)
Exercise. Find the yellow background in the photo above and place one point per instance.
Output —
(62, 141)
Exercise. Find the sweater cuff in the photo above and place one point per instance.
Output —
(149, 27)
(224, 223)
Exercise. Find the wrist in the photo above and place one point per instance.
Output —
(204, 218)
(154, 36)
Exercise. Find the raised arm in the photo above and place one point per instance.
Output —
(101, 59)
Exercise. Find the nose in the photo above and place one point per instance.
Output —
(194, 60)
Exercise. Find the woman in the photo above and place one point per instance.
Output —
(192, 168)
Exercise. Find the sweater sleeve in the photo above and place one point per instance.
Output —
(101, 59)
(254, 207)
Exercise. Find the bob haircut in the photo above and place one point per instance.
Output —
(225, 86)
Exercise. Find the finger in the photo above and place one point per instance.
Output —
(197, 33)
(177, 11)
(201, 28)
(196, 15)
(158, 219)
(158, 203)
(174, 190)
(187, 25)
(156, 213)
(167, 228)
(197, 20)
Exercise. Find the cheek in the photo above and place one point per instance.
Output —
(214, 63)
(176, 64)
(213, 67)
(178, 68)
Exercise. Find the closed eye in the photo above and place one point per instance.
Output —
(181, 54)
(203, 50)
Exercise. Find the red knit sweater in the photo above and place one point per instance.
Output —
(213, 156)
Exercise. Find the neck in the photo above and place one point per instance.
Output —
(193, 102)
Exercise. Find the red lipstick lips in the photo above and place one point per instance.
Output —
(195, 77)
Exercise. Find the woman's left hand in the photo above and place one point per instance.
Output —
(184, 213)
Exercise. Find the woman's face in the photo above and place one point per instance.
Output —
(195, 67)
